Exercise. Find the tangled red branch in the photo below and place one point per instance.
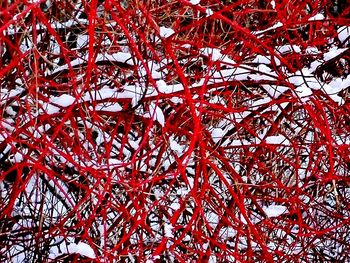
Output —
(174, 131)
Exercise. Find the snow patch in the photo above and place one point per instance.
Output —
(64, 100)
(175, 206)
(165, 31)
(317, 17)
(333, 52)
(213, 53)
(273, 4)
(278, 139)
(277, 25)
(288, 49)
(209, 12)
(343, 33)
(275, 210)
(217, 134)
(62, 249)
(168, 230)
(82, 41)
(195, 2)
(110, 107)
(156, 113)
(82, 249)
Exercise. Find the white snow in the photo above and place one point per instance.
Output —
(101, 94)
(9, 110)
(296, 80)
(317, 17)
(343, 33)
(239, 143)
(212, 259)
(175, 206)
(15, 17)
(82, 249)
(168, 230)
(7, 124)
(17, 157)
(312, 50)
(303, 91)
(156, 113)
(6, 95)
(277, 25)
(111, 107)
(134, 144)
(168, 89)
(161, 84)
(175, 146)
(55, 48)
(339, 84)
(277, 139)
(165, 31)
(122, 57)
(64, 100)
(262, 60)
(333, 52)
(273, 90)
(164, 88)
(257, 103)
(56, 103)
(314, 65)
(273, 4)
(50, 109)
(212, 218)
(213, 53)
(288, 48)
(217, 134)
(82, 41)
(275, 210)
(195, 2)
(209, 12)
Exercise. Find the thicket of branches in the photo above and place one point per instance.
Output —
(174, 131)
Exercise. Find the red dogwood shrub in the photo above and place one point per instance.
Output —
(174, 131)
